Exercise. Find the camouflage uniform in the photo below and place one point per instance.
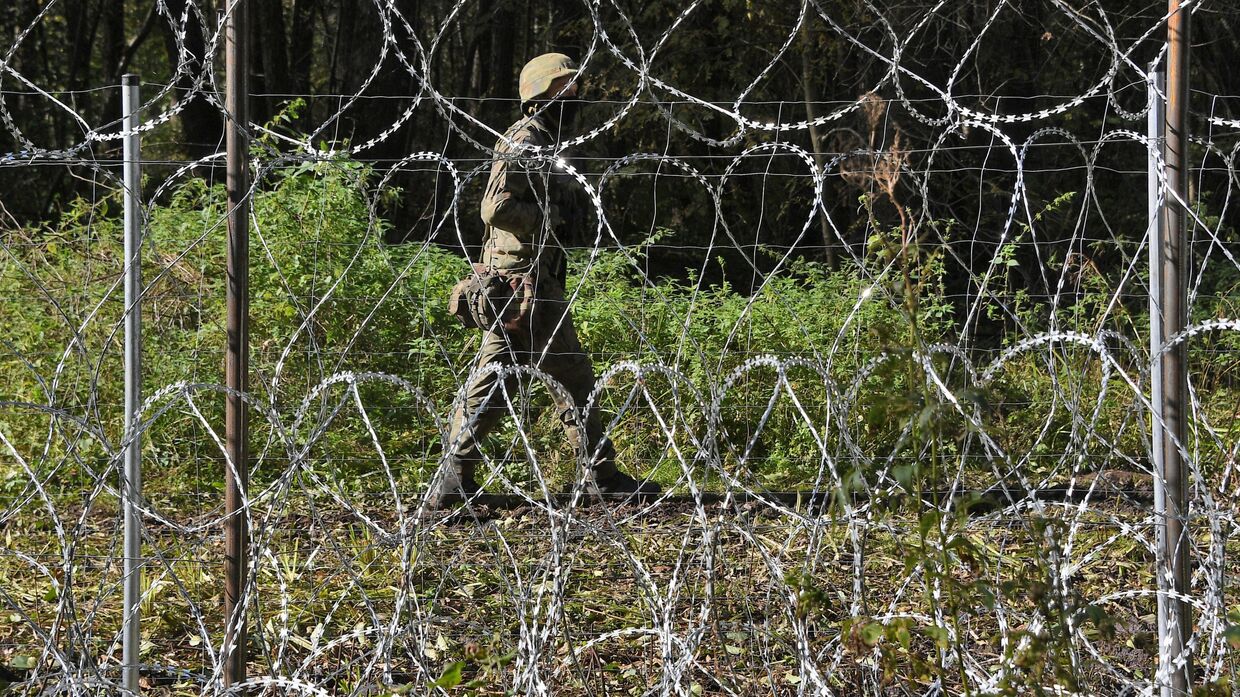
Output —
(529, 211)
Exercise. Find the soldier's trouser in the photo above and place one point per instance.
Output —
(549, 342)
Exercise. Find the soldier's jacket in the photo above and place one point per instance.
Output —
(517, 206)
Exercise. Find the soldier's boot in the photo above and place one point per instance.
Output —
(456, 485)
(607, 478)
(457, 482)
(621, 483)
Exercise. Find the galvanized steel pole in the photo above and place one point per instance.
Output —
(1172, 305)
(131, 485)
(1156, 194)
(236, 361)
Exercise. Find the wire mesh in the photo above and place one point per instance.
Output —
(852, 251)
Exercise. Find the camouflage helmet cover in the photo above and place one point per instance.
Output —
(541, 71)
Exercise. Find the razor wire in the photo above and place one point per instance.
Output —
(933, 548)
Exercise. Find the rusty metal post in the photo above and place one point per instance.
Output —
(1173, 251)
(236, 361)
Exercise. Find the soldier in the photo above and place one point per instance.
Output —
(529, 209)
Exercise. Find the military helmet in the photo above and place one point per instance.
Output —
(541, 71)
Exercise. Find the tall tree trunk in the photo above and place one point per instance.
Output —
(80, 26)
(201, 123)
(1216, 46)
(301, 53)
(503, 77)
(483, 38)
(810, 84)
(111, 54)
(272, 54)
(566, 33)
(342, 43)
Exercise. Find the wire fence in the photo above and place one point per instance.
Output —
(888, 358)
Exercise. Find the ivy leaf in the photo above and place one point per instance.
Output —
(871, 633)
(451, 676)
(1232, 635)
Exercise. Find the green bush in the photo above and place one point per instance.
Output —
(329, 296)
(318, 270)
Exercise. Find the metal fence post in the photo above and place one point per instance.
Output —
(131, 486)
(236, 360)
(1172, 416)
(1155, 125)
